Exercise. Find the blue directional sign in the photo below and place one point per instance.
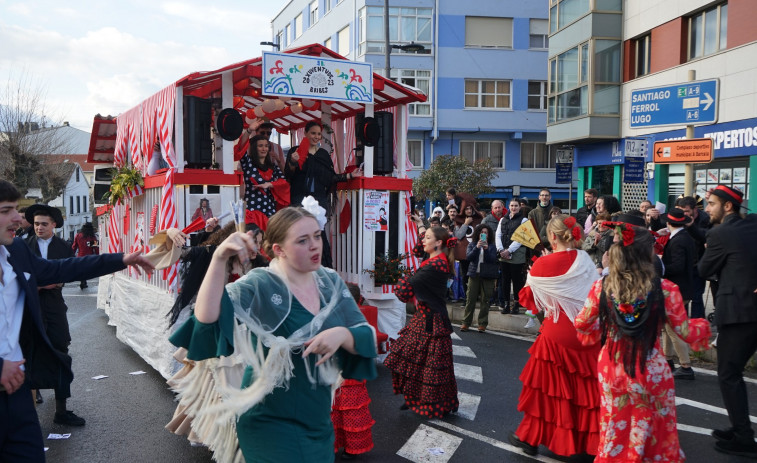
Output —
(564, 172)
(690, 103)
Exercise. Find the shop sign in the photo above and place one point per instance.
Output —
(689, 103)
(315, 77)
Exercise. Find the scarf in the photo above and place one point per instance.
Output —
(568, 291)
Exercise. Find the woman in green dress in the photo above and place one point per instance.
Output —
(296, 327)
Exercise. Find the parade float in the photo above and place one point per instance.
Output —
(172, 154)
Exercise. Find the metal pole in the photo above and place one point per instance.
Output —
(387, 47)
(688, 176)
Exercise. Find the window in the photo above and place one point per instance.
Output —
(405, 25)
(419, 79)
(494, 94)
(474, 151)
(536, 155)
(568, 85)
(327, 6)
(606, 77)
(287, 36)
(415, 153)
(280, 38)
(298, 26)
(343, 41)
(327, 43)
(537, 94)
(488, 32)
(78, 205)
(77, 174)
(71, 201)
(564, 12)
(708, 31)
(313, 13)
(642, 49)
(538, 34)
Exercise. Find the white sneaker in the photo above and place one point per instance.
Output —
(530, 324)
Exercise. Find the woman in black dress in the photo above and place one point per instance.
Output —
(264, 182)
(421, 359)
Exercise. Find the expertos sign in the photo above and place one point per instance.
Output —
(690, 103)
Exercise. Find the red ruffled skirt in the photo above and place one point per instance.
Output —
(352, 418)
(421, 365)
(561, 395)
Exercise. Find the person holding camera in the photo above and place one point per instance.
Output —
(482, 273)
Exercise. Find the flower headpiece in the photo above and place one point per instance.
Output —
(570, 222)
(623, 229)
(311, 205)
(451, 242)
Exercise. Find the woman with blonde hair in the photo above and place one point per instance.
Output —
(296, 327)
(625, 313)
(421, 358)
(560, 396)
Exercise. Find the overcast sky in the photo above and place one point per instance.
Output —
(105, 57)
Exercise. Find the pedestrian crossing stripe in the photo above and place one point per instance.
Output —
(429, 444)
(462, 351)
(468, 405)
(468, 372)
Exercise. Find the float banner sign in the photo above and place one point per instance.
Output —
(633, 170)
(314, 77)
(689, 103)
(563, 172)
(376, 211)
(697, 150)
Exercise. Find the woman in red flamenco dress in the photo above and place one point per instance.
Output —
(560, 396)
(421, 358)
(625, 313)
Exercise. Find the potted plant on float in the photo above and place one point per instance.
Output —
(125, 181)
(387, 270)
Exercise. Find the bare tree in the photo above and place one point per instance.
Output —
(27, 131)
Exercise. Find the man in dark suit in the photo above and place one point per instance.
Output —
(43, 243)
(679, 260)
(27, 357)
(731, 257)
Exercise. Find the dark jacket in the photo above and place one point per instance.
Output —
(46, 368)
(731, 257)
(540, 215)
(680, 260)
(316, 178)
(583, 213)
(490, 257)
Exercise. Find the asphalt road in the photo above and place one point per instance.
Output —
(126, 413)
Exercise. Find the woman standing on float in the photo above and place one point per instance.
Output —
(560, 396)
(421, 358)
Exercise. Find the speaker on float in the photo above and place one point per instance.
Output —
(198, 148)
(377, 131)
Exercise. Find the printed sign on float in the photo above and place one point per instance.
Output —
(683, 151)
(689, 103)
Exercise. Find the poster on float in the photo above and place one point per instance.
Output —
(376, 213)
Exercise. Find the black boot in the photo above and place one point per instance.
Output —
(505, 309)
(514, 310)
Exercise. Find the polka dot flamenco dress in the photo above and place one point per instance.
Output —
(421, 359)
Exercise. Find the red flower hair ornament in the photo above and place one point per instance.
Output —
(451, 242)
(570, 222)
(623, 229)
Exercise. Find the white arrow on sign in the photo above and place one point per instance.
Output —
(707, 100)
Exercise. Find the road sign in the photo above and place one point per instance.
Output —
(564, 172)
(683, 151)
(636, 148)
(564, 156)
(633, 170)
(690, 103)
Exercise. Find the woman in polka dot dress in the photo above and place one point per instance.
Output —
(421, 359)
(264, 183)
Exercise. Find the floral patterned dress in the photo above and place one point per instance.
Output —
(638, 415)
(421, 358)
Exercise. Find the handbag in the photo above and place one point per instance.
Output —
(488, 270)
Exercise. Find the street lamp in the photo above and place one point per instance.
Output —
(411, 47)
(272, 44)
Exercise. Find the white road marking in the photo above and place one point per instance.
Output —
(469, 372)
(463, 351)
(455, 336)
(425, 445)
(708, 407)
(468, 405)
(490, 441)
(697, 430)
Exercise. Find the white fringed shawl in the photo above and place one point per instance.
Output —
(568, 291)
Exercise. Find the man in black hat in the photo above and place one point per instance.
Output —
(679, 259)
(43, 243)
(730, 257)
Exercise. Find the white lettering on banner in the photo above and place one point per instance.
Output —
(651, 96)
(727, 139)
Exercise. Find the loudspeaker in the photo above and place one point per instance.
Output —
(379, 133)
(198, 148)
(103, 176)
